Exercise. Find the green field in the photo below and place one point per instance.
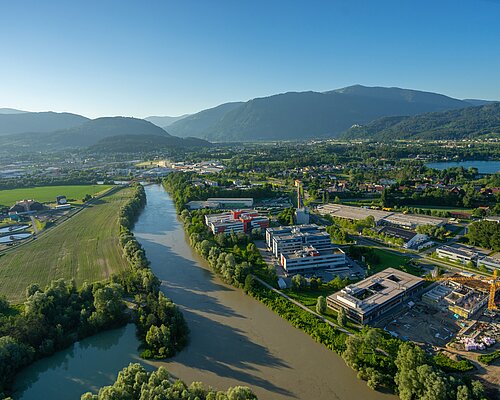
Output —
(389, 259)
(85, 248)
(48, 194)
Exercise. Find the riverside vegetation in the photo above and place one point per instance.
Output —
(134, 382)
(53, 318)
(383, 361)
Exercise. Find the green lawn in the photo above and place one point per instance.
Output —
(309, 298)
(48, 194)
(388, 259)
(85, 248)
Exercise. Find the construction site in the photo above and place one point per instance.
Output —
(455, 313)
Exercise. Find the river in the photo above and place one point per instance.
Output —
(235, 340)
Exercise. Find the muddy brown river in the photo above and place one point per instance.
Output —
(235, 340)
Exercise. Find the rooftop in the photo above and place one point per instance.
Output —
(376, 290)
(458, 251)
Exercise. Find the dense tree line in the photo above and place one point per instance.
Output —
(160, 324)
(437, 232)
(182, 190)
(53, 318)
(484, 234)
(135, 383)
(73, 177)
(57, 316)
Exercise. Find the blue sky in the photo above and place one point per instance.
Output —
(140, 58)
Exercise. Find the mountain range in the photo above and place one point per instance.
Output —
(164, 122)
(302, 115)
(352, 112)
(458, 124)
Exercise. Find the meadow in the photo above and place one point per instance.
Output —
(48, 194)
(84, 248)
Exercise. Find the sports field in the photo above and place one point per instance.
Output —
(85, 248)
(46, 194)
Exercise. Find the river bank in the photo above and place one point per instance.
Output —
(234, 340)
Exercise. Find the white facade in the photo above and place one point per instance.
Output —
(454, 254)
(309, 258)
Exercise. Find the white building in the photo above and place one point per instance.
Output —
(236, 221)
(462, 255)
(489, 262)
(309, 258)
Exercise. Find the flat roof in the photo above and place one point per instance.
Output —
(358, 213)
(230, 199)
(304, 253)
(414, 219)
(350, 212)
(458, 251)
(376, 290)
(400, 232)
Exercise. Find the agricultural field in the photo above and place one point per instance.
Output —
(85, 247)
(48, 194)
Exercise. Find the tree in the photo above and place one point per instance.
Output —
(299, 282)
(158, 338)
(341, 317)
(250, 284)
(409, 358)
(463, 393)
(321, 305)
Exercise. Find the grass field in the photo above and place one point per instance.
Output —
(45, 194)
(85, 248)
(309, 298)
(388, 259)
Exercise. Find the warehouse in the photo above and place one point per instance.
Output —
(366, 300)
(408, 221)
(352, 213)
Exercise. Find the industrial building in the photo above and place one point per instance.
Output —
(412, 240)
(408, 221)
(310, 258)
(457, 254)
(220, 203)
(352, 213)
(372, 297)
(236, 221)
(228, 202)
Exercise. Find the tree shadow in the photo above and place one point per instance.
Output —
(228, 352)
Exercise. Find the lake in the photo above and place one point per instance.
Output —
(484, 167)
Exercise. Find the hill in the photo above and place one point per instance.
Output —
(93, 132)
(11, 111)
(454, 124)
(298, 115)
(145, 143)
(164, 122)
(196, 124)
(49, 121)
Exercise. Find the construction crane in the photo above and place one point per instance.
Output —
(493, 282)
